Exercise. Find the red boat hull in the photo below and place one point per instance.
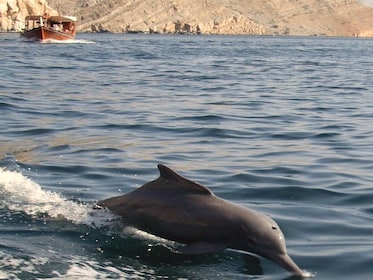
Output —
(43, 33)
(44, 28)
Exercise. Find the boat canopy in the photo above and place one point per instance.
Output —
(54, 18)
(62, 18)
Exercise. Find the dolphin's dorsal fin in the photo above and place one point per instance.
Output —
(171, 176)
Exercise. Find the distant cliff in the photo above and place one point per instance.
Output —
(255, 17)
(270, 17)
(13, 12)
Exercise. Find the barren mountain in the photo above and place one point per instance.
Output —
(269, 17)
(293, 17)
(13, 12)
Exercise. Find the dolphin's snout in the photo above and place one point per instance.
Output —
(286, 262)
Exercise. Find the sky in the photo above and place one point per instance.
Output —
(367, 2)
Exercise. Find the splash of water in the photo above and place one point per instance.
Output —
(70, 41)
(20, 194)
(53, 41)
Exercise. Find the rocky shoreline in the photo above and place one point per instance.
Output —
(258, 17)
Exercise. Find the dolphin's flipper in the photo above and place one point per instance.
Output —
(199, 248)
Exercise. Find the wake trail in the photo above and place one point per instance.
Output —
(20, 194)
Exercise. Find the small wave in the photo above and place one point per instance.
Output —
(75, 267)
(78, 267)
(20, 194)
(14, 265)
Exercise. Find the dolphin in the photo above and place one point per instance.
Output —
(178, 209)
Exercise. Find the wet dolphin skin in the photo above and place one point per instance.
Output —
(178, 209)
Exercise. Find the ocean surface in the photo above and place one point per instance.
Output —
(282, 125)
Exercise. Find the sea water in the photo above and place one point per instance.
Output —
(282, 125)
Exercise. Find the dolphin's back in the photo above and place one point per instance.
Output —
(175, 208)
(169, 187)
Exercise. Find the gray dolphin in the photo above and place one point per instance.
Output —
(177, 209)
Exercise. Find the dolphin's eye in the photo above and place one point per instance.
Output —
(274, 227)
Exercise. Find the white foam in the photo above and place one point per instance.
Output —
(4, 275)
(16, 265)
(77, 268)
(70, 41)
(307, 274)
(87, 269)
(19, 193)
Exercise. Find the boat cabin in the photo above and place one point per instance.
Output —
(65, 24)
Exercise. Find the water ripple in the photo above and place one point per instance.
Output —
(281, 125)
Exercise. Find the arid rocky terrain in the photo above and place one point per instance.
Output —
(256, 17)
(13, 12)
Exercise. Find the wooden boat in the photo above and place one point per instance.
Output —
(44, 28)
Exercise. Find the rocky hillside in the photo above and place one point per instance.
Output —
(293, 17)
(259, 17)
(13, 12)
